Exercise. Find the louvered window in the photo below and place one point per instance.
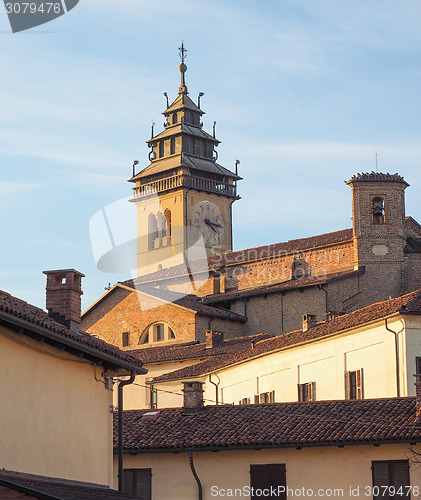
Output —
(390, 479)
(268, 478)
(137, 482)
(354, 384)
(307, 391)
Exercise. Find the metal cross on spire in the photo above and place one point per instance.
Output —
(182, 52)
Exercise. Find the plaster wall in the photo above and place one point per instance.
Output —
(55, 416)
(320, 469)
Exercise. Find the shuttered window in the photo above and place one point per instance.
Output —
(390, 479)
(138, 482)
(307, 391)
(354, 384)
(267, 481)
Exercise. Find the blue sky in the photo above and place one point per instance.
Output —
(304, 93)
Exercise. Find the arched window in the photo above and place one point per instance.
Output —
(174, 118)
(192, 118)
(167, 215)
(161, 149)
(378, 210)
(156, 333)
(172, 145)
(162, 225)
(152, 231)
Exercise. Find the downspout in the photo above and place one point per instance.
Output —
(398, 389)
(199, 484)
(216, 387)
(121, 384)
(326, 301)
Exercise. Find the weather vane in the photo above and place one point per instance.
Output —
(183, 52)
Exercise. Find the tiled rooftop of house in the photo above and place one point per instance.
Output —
(14, 310)
(191, 302)
(195, 350)
(16, 485)
(320, 423)
(406, 304)
(377, 176)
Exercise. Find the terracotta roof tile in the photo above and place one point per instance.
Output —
(12, 309)
(192, 302)
(253, 254)
(279, 287)
(273, 425)
(54, 488)
(377, 177)
(195, 350)
(406, 304)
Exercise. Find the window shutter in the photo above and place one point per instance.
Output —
(272, 397)
(256, 399)
(138, 482)
(265, 476)
(312, 391)
(360, 391)
(391, 473)
(300, 392)
(347, 386)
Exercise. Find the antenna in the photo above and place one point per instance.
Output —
(201, 94)
(214, 127)
(237, 162)
(166, 96)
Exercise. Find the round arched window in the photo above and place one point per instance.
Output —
(156, 333)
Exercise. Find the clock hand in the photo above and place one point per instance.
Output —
(210, 224)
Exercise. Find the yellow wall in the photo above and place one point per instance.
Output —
(310, 468)
(55, 417)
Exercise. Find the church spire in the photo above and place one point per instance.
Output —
(183, 69)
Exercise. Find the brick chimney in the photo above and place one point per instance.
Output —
(213, 338)
(64, 290)
(309, 320)
(193, 397)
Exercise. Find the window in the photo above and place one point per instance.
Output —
(172, 145)
(126, 339)
(307, 391)
(264, 397)
(161, 149)
(167, 215)
(157, 332)
(300, 269)
(137, 482)
(160, 333)
(153, 397)
(393, 474)
(244, 401)
(378, 211)
(268, 477)
(174, 118)
(354, 384)
(418, 365)
(152, 231)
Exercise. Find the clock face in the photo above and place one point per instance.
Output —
(208, 222)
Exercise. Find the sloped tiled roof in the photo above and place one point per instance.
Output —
(377, 177)
(14, 310)
(262, 253)
(192, 302)
(16, 485)
(275, 425)
(279, 287)
(195, 350)
(406, 304)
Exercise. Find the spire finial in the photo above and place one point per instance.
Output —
(183, 69)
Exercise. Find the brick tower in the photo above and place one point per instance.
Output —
(378, 210)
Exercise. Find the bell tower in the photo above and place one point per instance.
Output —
(378, 210)
(183, 196)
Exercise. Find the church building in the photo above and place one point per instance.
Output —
(189, 278)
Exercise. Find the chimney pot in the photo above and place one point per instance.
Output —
(213, 338)
(193, 397)
(309, 320)
(64, 289)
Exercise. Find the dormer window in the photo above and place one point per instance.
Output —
(378, 211)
